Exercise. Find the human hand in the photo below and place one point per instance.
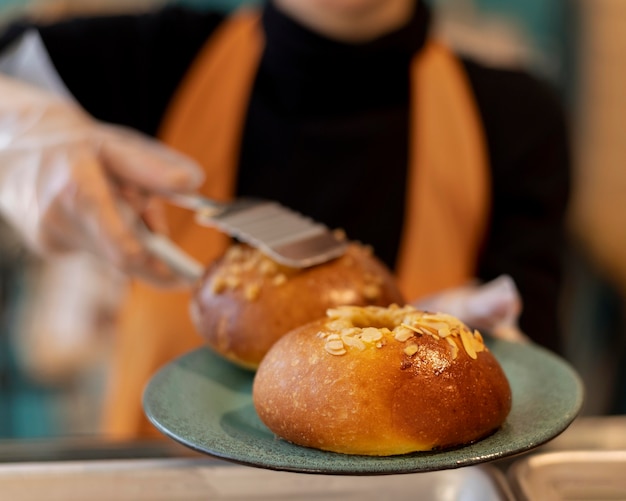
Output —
(493, 307)
(70, 183)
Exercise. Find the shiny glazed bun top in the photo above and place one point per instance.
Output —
(381, 381)
(246, 301)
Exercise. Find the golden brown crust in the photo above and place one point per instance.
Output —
(246, 302)
(392, 394)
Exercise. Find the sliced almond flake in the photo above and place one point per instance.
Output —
(455, 348)
(410, 349)
(371, 335)
(334, 344)
(403, 334)
(408, 320)
(232, 282)
(350, 331)
(430, 330)
(479, 344)
(468, 344)
(479, 336)
(234, 252)
(441, 317)
(252, 291)
(414, 329)
(371, 291)
(334, 351)
(334, 337)
(430, 317)
(279, 279)
(338, 325)
(334, 313)
(335, 347)
(268, 267)
(235, 269)
(444, 332)
(478, 347)
(443, 328)
(218, 285)
(353, 341)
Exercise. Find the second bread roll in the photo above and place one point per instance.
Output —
(246, 301)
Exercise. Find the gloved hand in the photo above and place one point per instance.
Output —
(493, 307)
(69, 183)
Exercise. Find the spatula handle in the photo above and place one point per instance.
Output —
(171, 254)
(194, 202)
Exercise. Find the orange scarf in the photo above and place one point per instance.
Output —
(448, 196)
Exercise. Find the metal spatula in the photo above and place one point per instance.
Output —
(286, 236)
(283, 234)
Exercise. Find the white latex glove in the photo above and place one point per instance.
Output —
(493, 307)
(67, 181)
(65, 321)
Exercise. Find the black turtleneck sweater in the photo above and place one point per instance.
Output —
(327, 131)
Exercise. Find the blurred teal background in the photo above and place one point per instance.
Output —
(594, 311)
(542, 19)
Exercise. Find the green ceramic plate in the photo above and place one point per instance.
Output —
(205, 403)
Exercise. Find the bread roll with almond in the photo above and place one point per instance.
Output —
(381, 381)
(246, 301)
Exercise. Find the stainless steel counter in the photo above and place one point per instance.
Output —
(592, 452)
(193, 479)
(585, 463)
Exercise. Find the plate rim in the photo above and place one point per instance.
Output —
(568, 418)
